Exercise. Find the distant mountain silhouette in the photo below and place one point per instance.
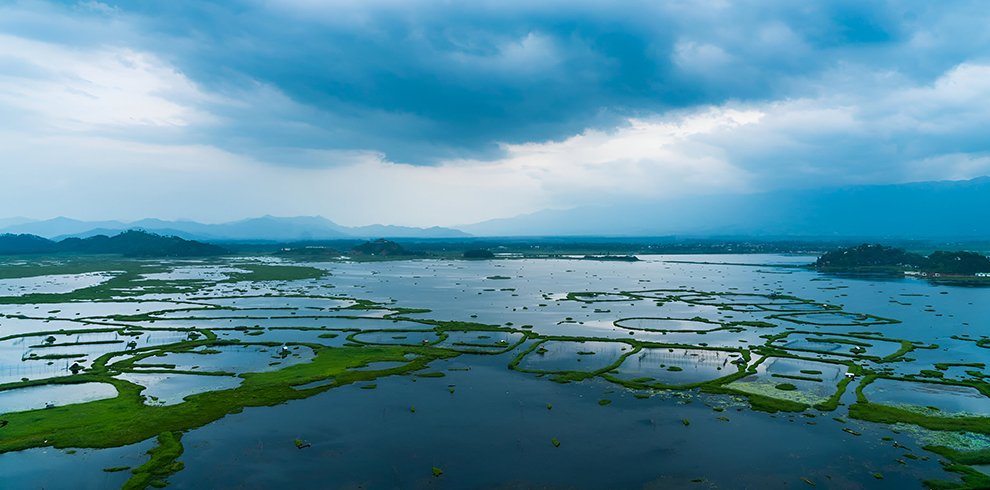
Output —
(131, 243)
(923, 210)
(265, 228)
(17, 220)
(60, 226)
(947, 209)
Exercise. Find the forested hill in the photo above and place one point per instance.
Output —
(132, 243)
(880, 258)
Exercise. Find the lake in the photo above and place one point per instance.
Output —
(670, 372)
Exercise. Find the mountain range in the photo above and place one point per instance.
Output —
(131, 243)
(921, 210)
(265, 228)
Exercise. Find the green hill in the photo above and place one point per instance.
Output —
(132, 243)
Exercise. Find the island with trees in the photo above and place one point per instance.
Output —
(875, 258)
(382, 248)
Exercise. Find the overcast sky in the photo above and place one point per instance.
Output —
(444, 113)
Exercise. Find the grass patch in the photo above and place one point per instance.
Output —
(163, 463)
(126, 419)
(266, 272)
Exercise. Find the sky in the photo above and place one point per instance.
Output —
(430, 113)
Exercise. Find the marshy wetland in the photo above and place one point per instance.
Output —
(667, 372)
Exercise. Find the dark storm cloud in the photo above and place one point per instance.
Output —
(425, 81)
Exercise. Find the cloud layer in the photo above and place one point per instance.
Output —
(442, 113)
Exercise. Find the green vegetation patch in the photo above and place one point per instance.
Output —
(126, 419)
(889, 414)
(267, 272)
(833, 318)
(163, 463)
